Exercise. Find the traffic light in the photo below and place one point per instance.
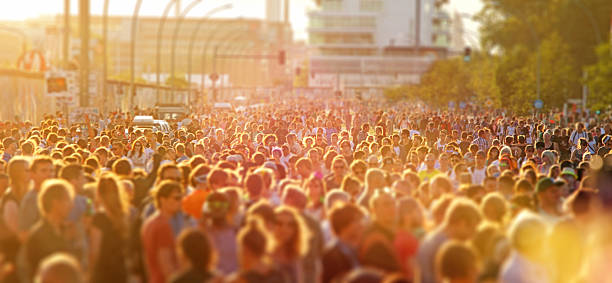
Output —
(467, 54)
(282, 56)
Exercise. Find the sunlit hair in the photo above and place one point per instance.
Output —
(297, 245)
(142, 142)
(112, 198)
(255, 238)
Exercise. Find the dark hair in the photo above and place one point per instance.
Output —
(456, 260)
(122, 167)
(254, 237)
(165, 189)
(70, 171)
(254, 184)
(342, 216)
(38, 161)
(198, 249)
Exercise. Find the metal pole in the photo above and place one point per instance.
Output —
(591, 18)
(193, 36)
(160, 30)
(205, 51)
(104, 50)
(84, 58)
(133, 52)
(176, 29)
(223, 44)
(66, 47)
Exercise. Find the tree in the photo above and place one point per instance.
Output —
(178, 81)
(599, 79)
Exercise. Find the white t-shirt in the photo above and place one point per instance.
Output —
(478, 175)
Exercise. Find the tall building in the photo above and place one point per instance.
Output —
(274, 9)
(366, 45)
(232, 36)
(457, 41)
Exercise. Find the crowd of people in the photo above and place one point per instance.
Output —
(308, 191)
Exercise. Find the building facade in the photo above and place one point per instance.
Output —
(366, 45)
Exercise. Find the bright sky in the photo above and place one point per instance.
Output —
(23, 9)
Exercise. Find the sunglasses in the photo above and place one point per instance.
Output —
(218, 205)
(177, 197)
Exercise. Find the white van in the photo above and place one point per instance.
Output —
(162, 126)
(143, 122)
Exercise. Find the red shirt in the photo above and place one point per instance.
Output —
(157, 234)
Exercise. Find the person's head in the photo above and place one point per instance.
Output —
(291, 234)
(18, 170)
(111, 195)
(339, 166)
(375, 179)
(74, 174)
(169, 171)
(218, 178)
(494, 208)
(168, 195)
(411, 214)
(430, 161)
(304, 167)
(27, 148)
(462, 218)
(315, 189)
(122, 167)
(457, 262)
(527, 234)
(359, 168)
(481, 159)
(59, 268)
(383, 208)
(41, 169)
(10, 145)
(440, 185)
(55, 199)
(548, 193)
(195, 249)
(346, 221)
(255, 243)
(216, 207)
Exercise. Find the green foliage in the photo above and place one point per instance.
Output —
(404, 92)
(599, 79)
(125, 77)
(178, 81)
(554, 40)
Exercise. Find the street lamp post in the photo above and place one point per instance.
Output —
(232, 65)
(160, 30)
(176, 30)
(105, 50)
(205, 51)
(193, 36)
(133, 52)
(214, 59)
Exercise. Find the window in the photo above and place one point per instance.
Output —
(331, 5)
(371, 5)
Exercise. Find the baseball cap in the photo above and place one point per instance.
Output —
(546, 183)
(569, 171)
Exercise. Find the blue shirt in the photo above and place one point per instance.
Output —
(6, 157)
(28, 211)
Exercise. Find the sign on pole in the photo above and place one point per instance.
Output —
(538, 104)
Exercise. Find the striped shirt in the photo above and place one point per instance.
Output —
(482, 144)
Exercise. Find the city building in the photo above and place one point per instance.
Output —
(367, 45)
